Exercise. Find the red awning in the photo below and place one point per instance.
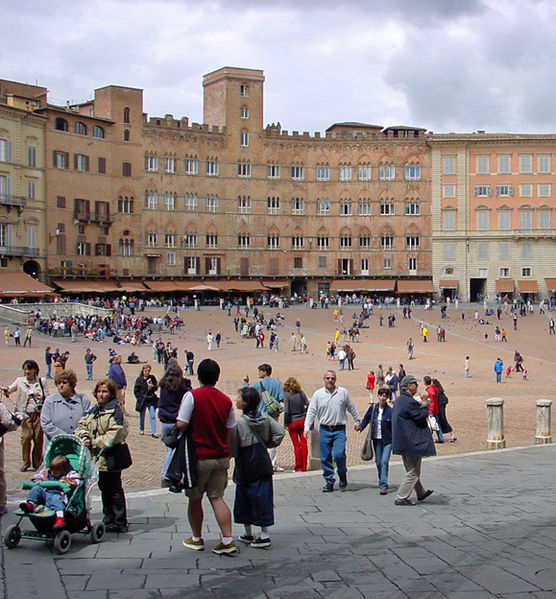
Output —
(448, 283)
(550, 284)
(504, 285)
(527, 286)
(362, 285)
(19, 283)
(415, 286)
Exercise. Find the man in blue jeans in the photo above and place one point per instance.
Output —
(330, 405)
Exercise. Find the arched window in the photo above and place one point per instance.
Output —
(61, 124)
(80, 128)
(126, 204)
(126, 134)
(126, 169)
(98, 132)
(126, 247)
(126, 115)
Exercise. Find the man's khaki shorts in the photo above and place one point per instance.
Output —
(212, 478)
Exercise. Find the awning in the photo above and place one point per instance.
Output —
(527, 286)
(275, 284)
(415, 286)
(132, 287)
(161, 286)
(448, 283)
(550, 284)
(505, 285)
(86, 286)
(205, 287)
(238, 285)
(20, 283)
(362, 285)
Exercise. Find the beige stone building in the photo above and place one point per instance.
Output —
(493, 221)
(22, 178)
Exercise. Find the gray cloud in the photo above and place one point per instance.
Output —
(441, 64)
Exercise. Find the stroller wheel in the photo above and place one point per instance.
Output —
(12, 536)
(97, 532)
(62, 541)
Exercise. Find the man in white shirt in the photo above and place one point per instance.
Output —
(330, 405)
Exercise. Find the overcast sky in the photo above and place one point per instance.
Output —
(445, 65)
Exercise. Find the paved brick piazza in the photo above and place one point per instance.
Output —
(487, 531)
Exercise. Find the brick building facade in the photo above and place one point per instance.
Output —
(236, 204)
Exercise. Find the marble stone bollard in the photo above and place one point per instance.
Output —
(495, 423)
(314, 451)
(543, 435)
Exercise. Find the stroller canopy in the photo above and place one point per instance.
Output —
(72, 448)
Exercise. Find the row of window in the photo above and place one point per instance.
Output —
(7, 236)
(169, 164)
(345, 265)
(485, 251)
(504, 219)
(6, 189)
(6, 152)
(503, 163)
(275, 241)
(274, 204)
(81, 163)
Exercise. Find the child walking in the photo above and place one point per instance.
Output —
(60, 470)
(253, 434)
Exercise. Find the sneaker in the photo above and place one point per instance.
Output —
(24, 468)
(261, 543)
(195, 545)
(278, 468)
(222, 549)
(59, 522)
(155, 436)
(328, 488)
(343, 484)
(27, 506)
(247, 539)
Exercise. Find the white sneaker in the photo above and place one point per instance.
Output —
(278, 468)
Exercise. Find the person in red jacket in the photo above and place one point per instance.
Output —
(432, 392)
(371, 379)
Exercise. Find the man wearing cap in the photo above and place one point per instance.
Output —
(412, 439)
(330, 405)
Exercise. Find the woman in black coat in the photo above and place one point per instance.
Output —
(145, 394)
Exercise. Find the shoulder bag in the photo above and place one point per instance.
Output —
(273, 407)
(367, 451)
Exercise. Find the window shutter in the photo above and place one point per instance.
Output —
(218, 266)
(108, 249)
(87, 249)
(339, 266)
(207, 265)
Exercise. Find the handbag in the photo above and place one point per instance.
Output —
(273, 407)
(118, 457)
(367, 451)
(433, 424)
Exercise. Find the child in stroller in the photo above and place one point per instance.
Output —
(76, 512)
(60, 470)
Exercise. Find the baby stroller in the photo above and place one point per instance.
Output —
(77, 509)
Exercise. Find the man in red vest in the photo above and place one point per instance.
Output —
(208, 415)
